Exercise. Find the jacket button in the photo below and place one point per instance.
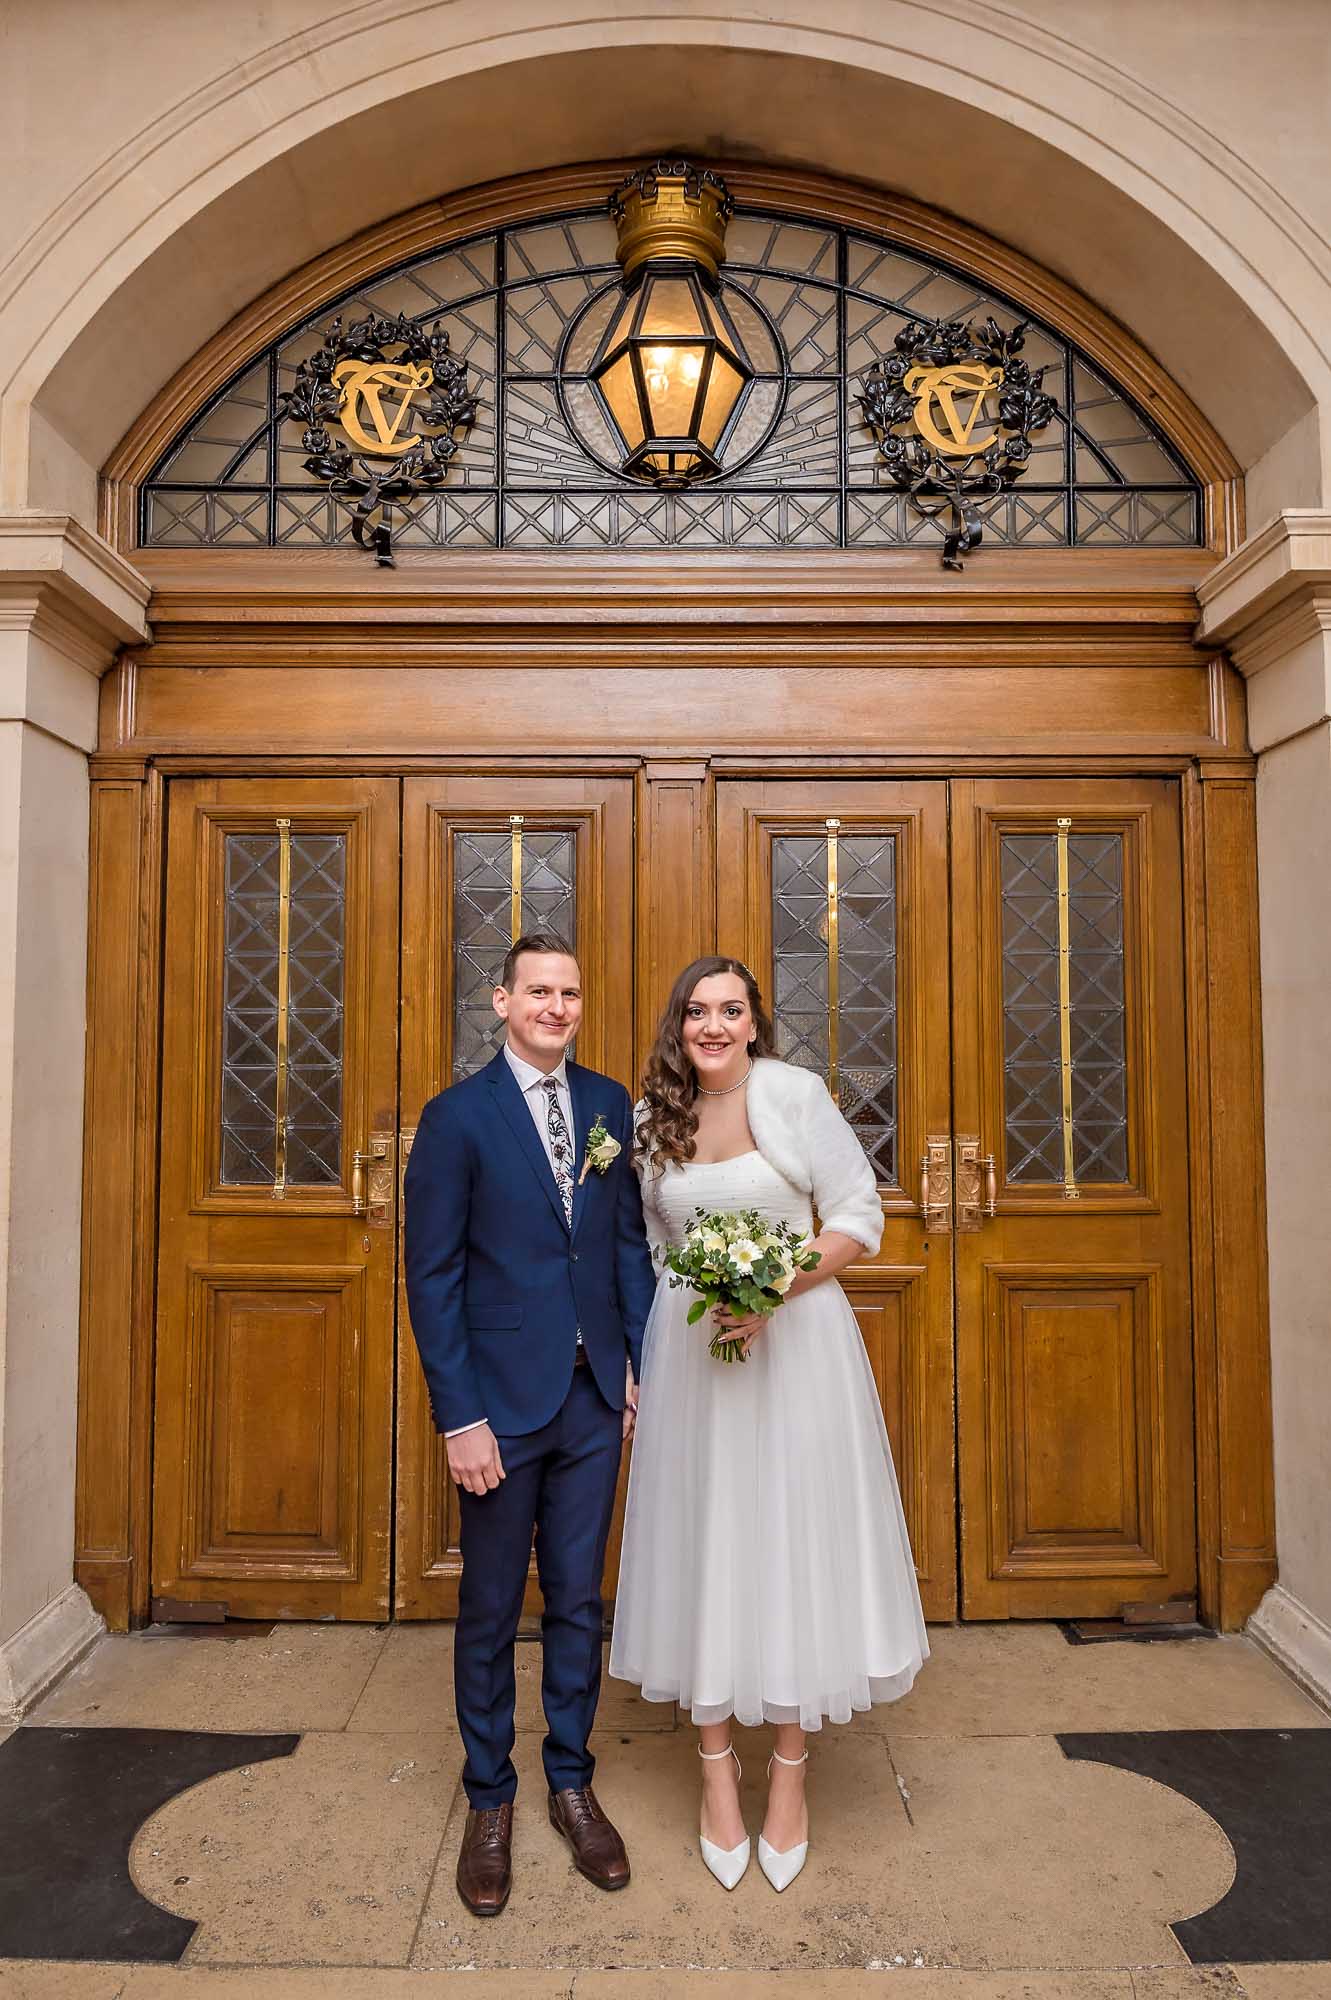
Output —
(572, 1256)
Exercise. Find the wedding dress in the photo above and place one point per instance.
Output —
(765, 1571)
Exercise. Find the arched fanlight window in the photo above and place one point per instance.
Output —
(529, 309)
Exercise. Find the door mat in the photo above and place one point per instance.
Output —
(1269, 1790)
(71, 1803)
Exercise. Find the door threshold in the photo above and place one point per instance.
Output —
(1104, 1631)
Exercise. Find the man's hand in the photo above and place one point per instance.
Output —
(474, 1461)
(630, 1401)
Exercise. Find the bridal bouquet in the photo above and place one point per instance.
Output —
(741, 1262)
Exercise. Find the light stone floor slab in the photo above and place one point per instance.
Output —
(868, 1903)
(1042, 1861)
(1025, 1679)
(1187, 1982)
(1025, 1876)
(301, 1677)
(321, 1858)
(1285, 1982)
(27, 1981)
(411, 1687)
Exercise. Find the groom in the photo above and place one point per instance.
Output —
(529, 1283)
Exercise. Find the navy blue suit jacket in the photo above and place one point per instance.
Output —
(498, 1285)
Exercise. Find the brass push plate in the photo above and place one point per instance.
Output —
(968, 1185)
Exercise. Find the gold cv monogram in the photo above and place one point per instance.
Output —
(362, 384)
(944, 425)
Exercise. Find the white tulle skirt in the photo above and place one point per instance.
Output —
(765, 1571)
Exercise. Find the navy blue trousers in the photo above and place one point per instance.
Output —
(560, 1482)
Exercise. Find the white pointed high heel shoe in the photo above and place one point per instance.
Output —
(781, 1869)
(727, 1864)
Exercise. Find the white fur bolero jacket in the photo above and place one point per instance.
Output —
(799, 1131)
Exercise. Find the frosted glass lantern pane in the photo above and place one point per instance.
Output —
(620, 391)
(723, 389)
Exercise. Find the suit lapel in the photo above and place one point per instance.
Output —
(583, 1113)
(519, 1120)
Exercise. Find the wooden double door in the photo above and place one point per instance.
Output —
(990, 974)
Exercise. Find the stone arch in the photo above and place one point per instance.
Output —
(1061, 153)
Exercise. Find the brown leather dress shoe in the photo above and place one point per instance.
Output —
(597, 1848)
(485, 1862)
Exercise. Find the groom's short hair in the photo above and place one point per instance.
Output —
(542, 941)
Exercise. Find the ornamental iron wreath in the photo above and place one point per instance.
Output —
(355, 365)
(939, 382)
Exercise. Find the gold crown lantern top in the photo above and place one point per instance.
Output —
(671, 209)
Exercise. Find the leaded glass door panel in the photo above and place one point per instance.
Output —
(836, 894)
(485, 858)
(274, 1386)
(1073, 1285)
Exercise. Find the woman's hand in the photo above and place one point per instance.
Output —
(746, 1329)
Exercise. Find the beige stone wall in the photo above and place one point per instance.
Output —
(1175, 163)
(164, 164)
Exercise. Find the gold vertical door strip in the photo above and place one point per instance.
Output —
(833, 961)
(1064, 827)
(283, 1006)
(515, 821)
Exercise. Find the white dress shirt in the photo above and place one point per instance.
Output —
(529, 1081)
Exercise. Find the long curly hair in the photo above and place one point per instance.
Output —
(668, 1129)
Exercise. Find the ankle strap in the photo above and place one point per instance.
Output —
(713, 1756)
(793, 1762)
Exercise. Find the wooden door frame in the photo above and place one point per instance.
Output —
(1074, 663)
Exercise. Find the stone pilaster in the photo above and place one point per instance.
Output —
(67, 603)
(1270, 605)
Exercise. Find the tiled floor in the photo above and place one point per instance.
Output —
(955, 1846)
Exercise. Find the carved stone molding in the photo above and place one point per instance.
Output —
(1269, 603)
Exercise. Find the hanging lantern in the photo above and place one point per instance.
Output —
(671, 371)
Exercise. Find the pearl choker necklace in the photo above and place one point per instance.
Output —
(702, 1092)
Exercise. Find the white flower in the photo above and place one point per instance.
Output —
(782, 1282)
(770, 1242)
(713, 1243)
(744, 1253)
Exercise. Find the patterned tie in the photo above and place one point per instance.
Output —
(561, 1147)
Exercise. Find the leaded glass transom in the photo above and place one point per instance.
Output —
(815, 306)
(1034, 1047)
(862, 1031)
(253, 1029)
(482, 915)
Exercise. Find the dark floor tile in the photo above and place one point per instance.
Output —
(71, 1802)
(1270, 1792)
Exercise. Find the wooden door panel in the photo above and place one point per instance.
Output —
(885, 1049)
(1073, 1295)
(274, 1382)
(575, 859)
(266, 1490)
(893, 1315)
(1077, 1423)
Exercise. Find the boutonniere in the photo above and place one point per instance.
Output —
(601, 1149)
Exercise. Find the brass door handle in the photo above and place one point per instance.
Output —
(936, 1184)
(977, 1185)
(372, 1197)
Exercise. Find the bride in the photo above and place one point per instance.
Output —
(765, 1574)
